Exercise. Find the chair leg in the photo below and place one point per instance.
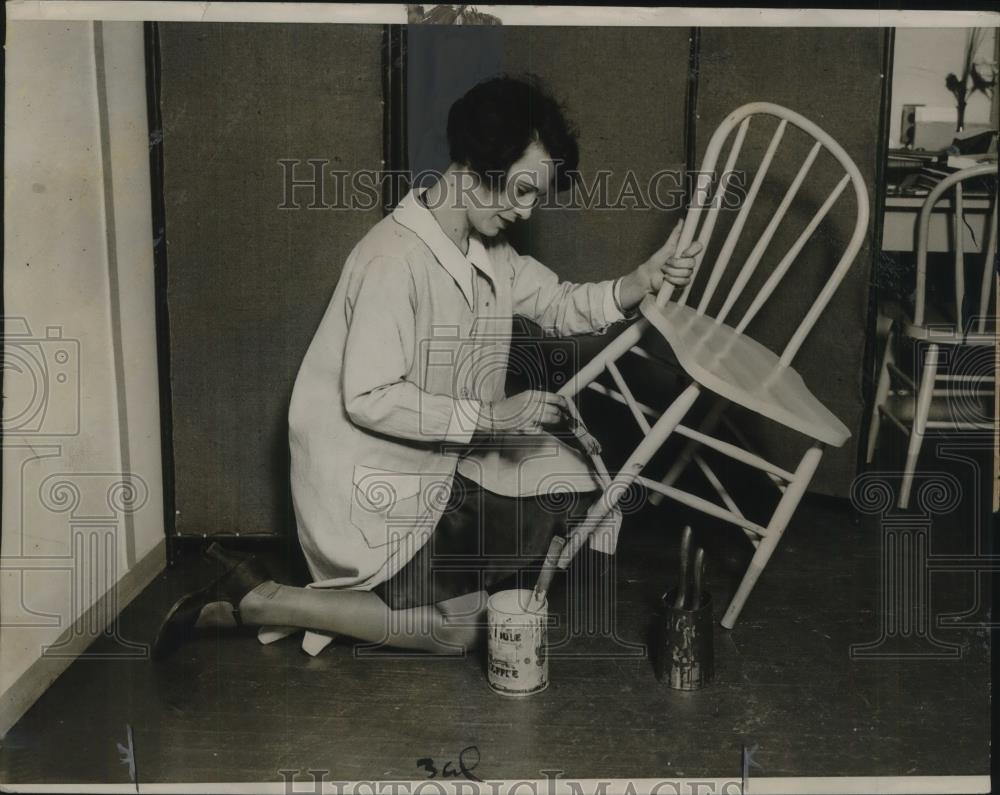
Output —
(881, 395)
(630, 470)
(925, 393)
(776, 527)
(689, 449)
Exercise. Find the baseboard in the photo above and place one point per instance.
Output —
(45, 670)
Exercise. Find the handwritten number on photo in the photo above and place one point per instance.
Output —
(468, 759)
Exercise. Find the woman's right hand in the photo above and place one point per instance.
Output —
(525, 413)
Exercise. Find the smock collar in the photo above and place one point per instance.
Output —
(412, 214)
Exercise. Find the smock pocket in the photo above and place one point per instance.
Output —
(385, 504)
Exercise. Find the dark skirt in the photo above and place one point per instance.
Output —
(481, 540)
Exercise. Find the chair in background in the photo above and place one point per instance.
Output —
(933, 398)
(724, 362)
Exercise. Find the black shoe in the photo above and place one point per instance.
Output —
(240, 576)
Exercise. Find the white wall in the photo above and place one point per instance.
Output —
(82, 485)
(922, 60)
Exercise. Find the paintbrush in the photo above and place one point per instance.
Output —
(699, 574)
(681, 596)
(579, 432)
(549, 568)
(563, 550)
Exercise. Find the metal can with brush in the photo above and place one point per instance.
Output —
(685, 657)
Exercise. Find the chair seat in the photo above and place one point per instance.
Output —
(742, 370)
(939, 326)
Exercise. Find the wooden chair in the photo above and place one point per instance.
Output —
(934, 325)
(724, 361)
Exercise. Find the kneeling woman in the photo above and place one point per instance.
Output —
(404, 382)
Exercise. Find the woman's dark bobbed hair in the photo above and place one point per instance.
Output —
(494, 122)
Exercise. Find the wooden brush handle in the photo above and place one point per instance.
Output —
(699, 575)
(685, 555)
(549, 567)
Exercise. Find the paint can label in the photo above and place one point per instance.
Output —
(517, 663)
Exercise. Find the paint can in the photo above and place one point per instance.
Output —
(687, 650)
(517, 659)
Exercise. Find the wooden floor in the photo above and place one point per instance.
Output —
(228, 709)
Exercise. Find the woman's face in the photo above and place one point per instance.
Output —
(528, 180)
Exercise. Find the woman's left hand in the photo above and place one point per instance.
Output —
(665, 265)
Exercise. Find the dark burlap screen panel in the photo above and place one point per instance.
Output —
(248, 282)
(806, 70)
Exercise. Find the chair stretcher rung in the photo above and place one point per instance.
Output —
(718, 445)
(703, 505)
(902, 376)
(642, 353)
(965, 392)
(729, 502)
(894, 419)
(716, 484)
(630, 401)
(964, 378)
(960, 426)
(614, 394)
(733, 451)
(734, 429)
